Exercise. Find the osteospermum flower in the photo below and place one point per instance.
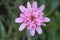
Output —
(32, 18)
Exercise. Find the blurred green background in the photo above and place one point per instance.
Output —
(9, 10)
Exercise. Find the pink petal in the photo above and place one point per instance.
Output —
(35, 14)
(27, 14)
(28, 5)
(34, 5)
(18, 20)
(46, 19)
(23, 16)
(41, 8)
(28, 28)
(42, 13)
(38, 22)
(22, 26)
(39, 30)
(32, 32)
(43, 24)
(32, 25)
(22, 8)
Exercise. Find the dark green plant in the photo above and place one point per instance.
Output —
(9, 10)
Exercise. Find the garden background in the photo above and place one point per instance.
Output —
(9, 10)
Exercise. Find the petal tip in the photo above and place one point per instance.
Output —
(40, 32)
(34, 4)
(16, 20)
(22, 8)
(32, 32)
(20, 30)
(41, 8)
(22, 27)
(46, 19)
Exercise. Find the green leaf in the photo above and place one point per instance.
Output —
(2, 33)
(28, 35)
(51, 6)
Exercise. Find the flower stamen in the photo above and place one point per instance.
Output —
(32, 18)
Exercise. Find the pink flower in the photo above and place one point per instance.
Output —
(32, 18)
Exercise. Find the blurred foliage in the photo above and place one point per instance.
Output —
(9, 10)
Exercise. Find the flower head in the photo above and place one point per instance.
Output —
(32, 18)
